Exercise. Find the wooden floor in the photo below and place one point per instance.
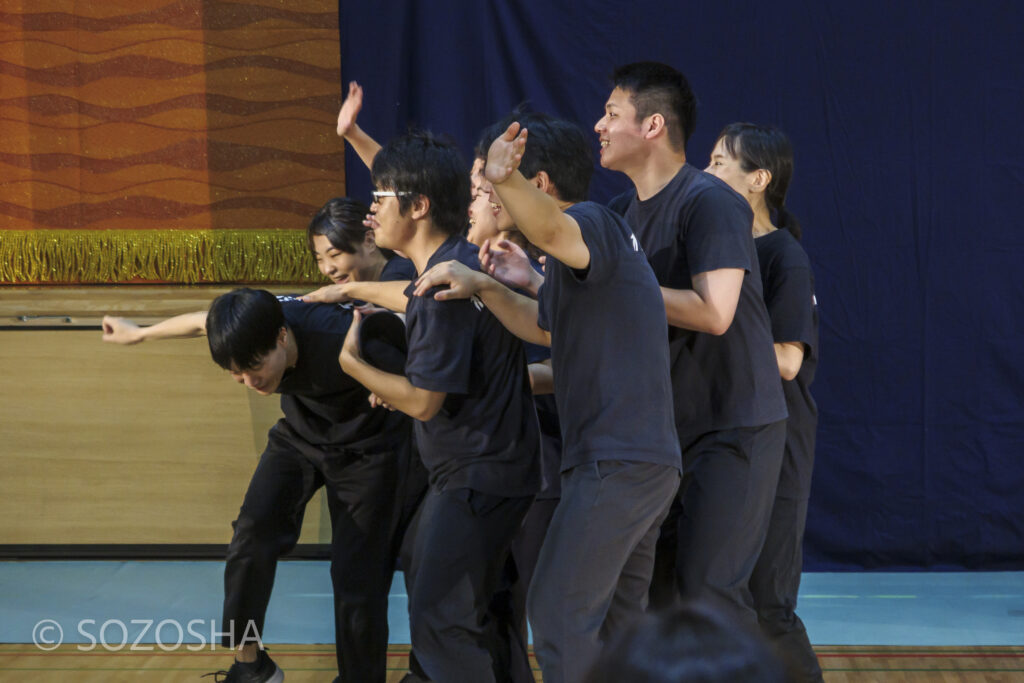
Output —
(315, 663)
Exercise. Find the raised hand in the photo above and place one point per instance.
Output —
(350, 109)
(507, 263)
(505, 154)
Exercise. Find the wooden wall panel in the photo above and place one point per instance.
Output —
(106, 444)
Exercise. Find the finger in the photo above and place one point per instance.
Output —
(357, 316)
(511, 131)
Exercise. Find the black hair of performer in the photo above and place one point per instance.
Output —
(600, 311)
(693, 643)
(729, 407)
(330, 436)
(466, 385)
(757, 162)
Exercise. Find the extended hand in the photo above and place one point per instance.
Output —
(350, 109)
(120, 331)
(328, 294)
(462, 282)
(505, 154)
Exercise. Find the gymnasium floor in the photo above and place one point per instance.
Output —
(865, 626)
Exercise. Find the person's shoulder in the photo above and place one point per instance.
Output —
(398, 269)
(317, 317)
(779, 246)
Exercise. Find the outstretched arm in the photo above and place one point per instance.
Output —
(536, 213)
(124, 331)
(365, 146)
(390, 295)
(516, 312)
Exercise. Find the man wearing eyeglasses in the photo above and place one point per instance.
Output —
(466, 385)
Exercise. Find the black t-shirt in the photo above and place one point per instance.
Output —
(793, 309)
(322, 404)
(398, 269)
(485, 437)
(608, 349)
(697, 224)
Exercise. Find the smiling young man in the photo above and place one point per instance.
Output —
(330, 436)
(729, 408)
(466, 384)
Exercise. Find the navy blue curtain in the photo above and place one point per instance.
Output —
(906, 122)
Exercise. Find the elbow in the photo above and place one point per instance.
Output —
(719, 326)
(788, 372)
(425, 413)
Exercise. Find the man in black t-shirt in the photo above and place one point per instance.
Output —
(330, 436)
(729, 407)
(600, 311)
(466, 385)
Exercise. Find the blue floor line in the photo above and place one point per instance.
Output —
(912, 609)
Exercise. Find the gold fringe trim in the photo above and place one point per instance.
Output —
(174, 256)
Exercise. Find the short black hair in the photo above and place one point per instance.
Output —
(423, 164)
(242, 326)
(656, 88)
(340, 220)
(556, 146)
(693, 642)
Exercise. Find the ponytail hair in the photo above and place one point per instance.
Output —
(756, 146)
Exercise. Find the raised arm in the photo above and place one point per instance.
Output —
(125, 331)
(536, 213)
(516, 312)
(365, 146)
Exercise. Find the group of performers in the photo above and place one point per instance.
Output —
(590, 411)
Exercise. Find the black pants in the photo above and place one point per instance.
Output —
(371, 497)
(720, 519)
(459, 552)
(729, 481)
(594, 568)
(775, 583)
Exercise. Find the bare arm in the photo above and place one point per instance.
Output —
(516, 312)
(542, 379)
(536, 213)
(790, 356)
(365, 146)
(393, 390)
(124, 331)
(710, 306)
(390, 295)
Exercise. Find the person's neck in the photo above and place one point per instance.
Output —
(373, 274)
(762, 219)
(656, 172)
(291, 349)
(422, 246)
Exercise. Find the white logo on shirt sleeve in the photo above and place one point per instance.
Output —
(636, 244)
(477, 301)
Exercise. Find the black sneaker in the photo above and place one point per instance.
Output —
(263, 670)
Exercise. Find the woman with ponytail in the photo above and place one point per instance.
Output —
(757, 162)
